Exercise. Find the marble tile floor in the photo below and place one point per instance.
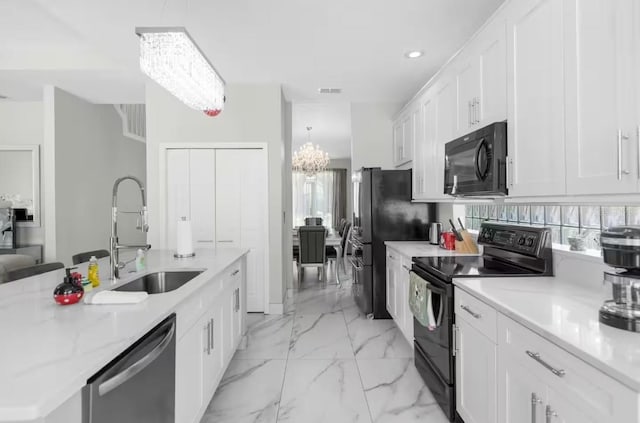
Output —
(322, 362)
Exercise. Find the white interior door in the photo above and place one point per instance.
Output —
(178, 192)
(202, 176)
(241, 217)
(229, 169)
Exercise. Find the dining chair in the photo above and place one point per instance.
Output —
(85, 257)
(38, 269)
(312, 250)
(342, 250)
(311, 221)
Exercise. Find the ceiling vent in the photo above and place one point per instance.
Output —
(330, 90)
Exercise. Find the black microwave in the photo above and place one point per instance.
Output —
(476, 164)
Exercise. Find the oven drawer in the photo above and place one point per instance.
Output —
(478, 314)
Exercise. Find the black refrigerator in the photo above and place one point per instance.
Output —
(382, 211)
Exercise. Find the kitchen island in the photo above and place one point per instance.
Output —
(49, 351)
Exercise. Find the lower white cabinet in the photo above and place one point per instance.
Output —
(540, 382)
(475, 374)
(476, 353)
(204, 351)
(506, 373)
(397, 284)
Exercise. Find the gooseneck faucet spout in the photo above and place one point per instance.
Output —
(142, 225)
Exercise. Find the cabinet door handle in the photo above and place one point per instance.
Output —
(406, 268)
(469, 112)
(620, 170)
(550, 414)
(536, 357)
(205, 240)
(208, 350)
(477, 109)
(534, 406)
(226, 240)
(235, 272)
(237, 299)
(212, 338)
(471, 312)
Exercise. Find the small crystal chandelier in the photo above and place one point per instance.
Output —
(309, 159)
(170, 57)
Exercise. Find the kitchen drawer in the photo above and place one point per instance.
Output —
(581, 384)
(478, 314)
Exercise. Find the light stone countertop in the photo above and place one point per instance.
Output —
(422, 249)
(567, 315)
(49, 351)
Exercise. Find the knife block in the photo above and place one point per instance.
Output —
(467, 245)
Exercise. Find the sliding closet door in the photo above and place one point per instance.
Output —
(202, 174)
(241, 213)
(178, 192)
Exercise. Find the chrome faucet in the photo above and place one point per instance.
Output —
(142, 225)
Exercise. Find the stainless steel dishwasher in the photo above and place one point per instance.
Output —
(138, 386)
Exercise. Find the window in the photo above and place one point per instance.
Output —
(313, 197)
(564, 220)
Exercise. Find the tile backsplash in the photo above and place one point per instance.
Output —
(564, 220)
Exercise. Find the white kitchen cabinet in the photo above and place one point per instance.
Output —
(481, 79)
(204, 350)
(212, 331)
(405, 316)
(445, 124)
(190, 374)
(420, 168)
(475, 374)
(397, 285)
(403, 135)
(223, 192)
(601, 117)
(569, 389)
(392, 272)
(475, 359)
(423, 164)
(536, 147)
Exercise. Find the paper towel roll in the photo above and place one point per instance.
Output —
(184, 239)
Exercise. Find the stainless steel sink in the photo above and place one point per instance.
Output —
(159, 282)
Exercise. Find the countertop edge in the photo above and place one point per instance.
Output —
(559, 342)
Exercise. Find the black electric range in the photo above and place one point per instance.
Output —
(509, 250)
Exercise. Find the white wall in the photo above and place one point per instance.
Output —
(253, 113)
(446, 211)
(21, 123)
(90, 152)
(287, 194)
(345, 164)
(371, 134)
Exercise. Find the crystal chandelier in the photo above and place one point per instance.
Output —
(309, 159)
(170, 57)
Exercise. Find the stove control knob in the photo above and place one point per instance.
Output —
(530, 242)
(521, 241)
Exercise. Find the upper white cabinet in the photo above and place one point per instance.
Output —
(481, 79)
(535, 102)
(404, 129)
(601, 60)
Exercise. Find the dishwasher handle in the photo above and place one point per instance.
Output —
(129, 372)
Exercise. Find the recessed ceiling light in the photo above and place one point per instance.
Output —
(413, 54)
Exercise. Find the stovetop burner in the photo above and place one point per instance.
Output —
(469, 267)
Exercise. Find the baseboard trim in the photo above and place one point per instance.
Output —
(275, 308)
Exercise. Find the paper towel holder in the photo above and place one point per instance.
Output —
(188, 255)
